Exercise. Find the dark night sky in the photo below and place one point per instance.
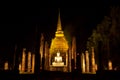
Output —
(75, 21)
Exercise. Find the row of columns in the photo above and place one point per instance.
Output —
(85, 62)
(30, 60)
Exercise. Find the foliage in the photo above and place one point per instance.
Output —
(108, 31)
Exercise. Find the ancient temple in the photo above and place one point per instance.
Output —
(62, 57)
(59, 56)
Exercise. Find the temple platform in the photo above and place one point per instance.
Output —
(61, 64)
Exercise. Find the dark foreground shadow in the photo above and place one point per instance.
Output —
(46, 75)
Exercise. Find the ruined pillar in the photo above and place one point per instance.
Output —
(6, 65)
(74, 51)
(83, 62)
(50, 63)
(20, 67)
(96, 67)
(33, 62)
(70, 57)
(46, 56)
(109, 65)
(41, 50)
(93, 60)
(87, 61)
(66, 62)
(29, 62)
(23, 60)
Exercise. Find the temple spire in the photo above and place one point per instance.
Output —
(59, 28)
(59, 32)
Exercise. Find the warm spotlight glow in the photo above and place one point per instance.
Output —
(59, 42)
(83, 62)
(58, 60)
(20, 67)
(23, 60)
(6, 66)
(110, 65)
(74, 50)
(87, 61)
(41, 49)
(29, 61)
(33, 62)
(93, 60)
(96, 67)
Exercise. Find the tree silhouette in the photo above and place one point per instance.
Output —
(108, 32)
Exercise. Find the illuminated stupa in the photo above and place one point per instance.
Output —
(59, 43)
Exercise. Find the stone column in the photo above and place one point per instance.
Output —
(70, 57)
(50, 68)
(20, 67)
(6, 66)
(66, 62)
(23, 60)
(33, 62)
(96, 67)
(87, 61)
(46, 56)
(109, 65)
(93, 60)
(41, 49)
(83, 63)
(29, 62)
(74, 51)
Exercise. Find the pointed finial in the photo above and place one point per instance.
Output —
(59, 28)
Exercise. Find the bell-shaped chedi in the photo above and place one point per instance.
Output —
(59, 42)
